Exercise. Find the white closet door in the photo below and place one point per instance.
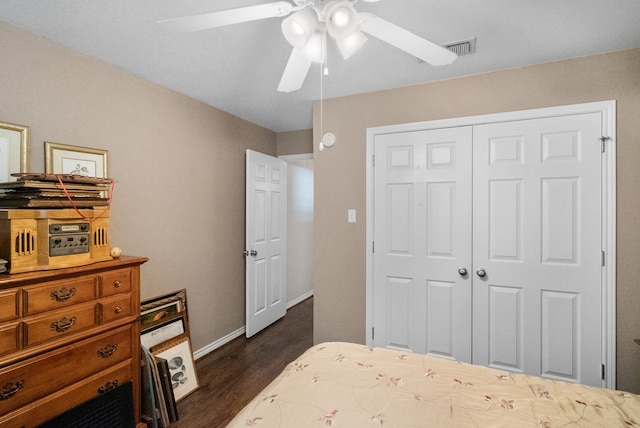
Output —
(422, 230)
(537, 235)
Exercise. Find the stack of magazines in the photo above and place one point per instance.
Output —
(55, 191)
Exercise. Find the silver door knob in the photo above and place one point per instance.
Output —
(462, 271)
(250, 253)
(481, 273)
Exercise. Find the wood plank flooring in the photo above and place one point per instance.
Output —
(232, 375)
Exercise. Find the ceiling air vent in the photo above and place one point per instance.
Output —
(463, 47)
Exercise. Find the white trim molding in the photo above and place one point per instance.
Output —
(299, 299)
(241, 331)
(218, 343)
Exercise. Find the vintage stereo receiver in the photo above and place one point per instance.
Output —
(32, 240)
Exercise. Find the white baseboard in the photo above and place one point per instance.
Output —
(299, 299)
(218, 343)
(239, 332)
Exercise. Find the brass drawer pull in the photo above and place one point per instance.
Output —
(108, 387)
(10, 389)
(63, 294)
(117, 284)
(117, 310)
(63, 325)
(107, 351)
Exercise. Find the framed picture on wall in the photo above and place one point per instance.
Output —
(75, 160)
(14, 149)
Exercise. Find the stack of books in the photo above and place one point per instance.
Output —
(54, 191)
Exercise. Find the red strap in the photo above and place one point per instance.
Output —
(64, 188)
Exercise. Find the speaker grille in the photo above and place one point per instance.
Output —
(100, 237)
(110, 409)
(25, 243)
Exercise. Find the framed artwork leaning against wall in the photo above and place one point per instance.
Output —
(179, 355)
(75, 160)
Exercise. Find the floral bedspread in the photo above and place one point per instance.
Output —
(354, 386)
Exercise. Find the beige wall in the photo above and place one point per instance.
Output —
(179, 166)
(339, 252)
(295, 142)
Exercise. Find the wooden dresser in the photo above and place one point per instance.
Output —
(67, 335)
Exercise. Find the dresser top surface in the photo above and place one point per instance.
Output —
(19, 279)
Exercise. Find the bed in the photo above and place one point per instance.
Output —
(348, 385)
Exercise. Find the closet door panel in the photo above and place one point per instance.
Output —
(423, 225)
(505, 328)
(536, 229)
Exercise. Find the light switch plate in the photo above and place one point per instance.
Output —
(351, 216)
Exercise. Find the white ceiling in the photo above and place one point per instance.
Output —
(237, 68)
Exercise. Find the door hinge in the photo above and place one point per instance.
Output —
(603, 371)
(373, 160)
(603, 140)
(604, 257)
(373, 333)
(373, 247)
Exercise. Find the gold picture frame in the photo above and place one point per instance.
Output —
(158, 309)
(14, 150)
(75, 160)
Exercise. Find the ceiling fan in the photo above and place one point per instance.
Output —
(306, 26)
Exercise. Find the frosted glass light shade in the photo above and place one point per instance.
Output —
(341, 19)
(350, 44)
(313, 49)
(299, 27)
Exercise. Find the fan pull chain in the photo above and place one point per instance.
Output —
(322, 66)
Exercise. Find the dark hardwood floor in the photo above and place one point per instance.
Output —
(232, 375)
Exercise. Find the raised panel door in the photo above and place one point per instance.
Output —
(537, 235)
(423, 223)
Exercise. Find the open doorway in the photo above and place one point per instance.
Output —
(299, 227)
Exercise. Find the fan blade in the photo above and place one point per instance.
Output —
(405, 40)
(221, 18)
(295, 72)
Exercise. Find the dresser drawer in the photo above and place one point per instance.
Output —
(9, 305)
(53, 405)
(58, 294)
(115, 282)
(38, 377)
(9, 338)
(115, 307)
(57, 324)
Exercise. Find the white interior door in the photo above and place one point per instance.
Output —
(537, 238)
(266, 241)
(423, 224)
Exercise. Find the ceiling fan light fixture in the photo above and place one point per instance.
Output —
(314, 49)
(350, 45)
(299, 27)
(341, 19)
